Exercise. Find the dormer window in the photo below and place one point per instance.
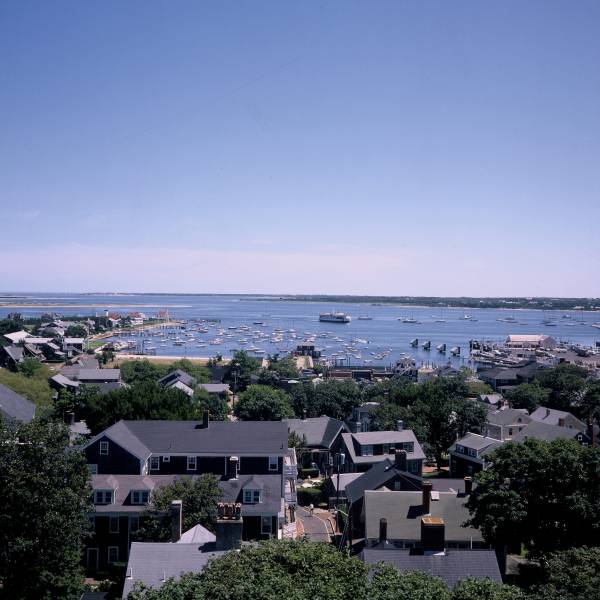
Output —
(471, 452)
(366, 450)
(140, 496)
(103, 448)
(103, 496)
(251, 496)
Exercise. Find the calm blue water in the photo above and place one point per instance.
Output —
(385, 334)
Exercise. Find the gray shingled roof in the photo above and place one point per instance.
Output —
(377, 476)
(479, 442)
(215, 388)
(182, 437)
(403, 511)
(451, 567)
(320, 432)
(177, 375)
(546, 433)
(269, 486)
(550, 416)
(123, 485)
(508, 416)
(381, 437)
(15, 352)
(15, 406)
(153, 563)
(98, 374)
(197, 535)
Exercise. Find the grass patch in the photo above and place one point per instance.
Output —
(35, 388)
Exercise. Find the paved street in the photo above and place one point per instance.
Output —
(316, 529)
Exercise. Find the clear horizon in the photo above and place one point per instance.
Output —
(340, 148)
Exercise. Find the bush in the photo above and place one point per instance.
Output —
(308, 496)
(308, 472)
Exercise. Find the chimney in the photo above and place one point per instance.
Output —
(232, 467)
(468, 485)
(561, 421)
(176, 509)
(205, 421)
(433, 534)
(400, 460)
(399, 425)
(228, 530)
(426, 505)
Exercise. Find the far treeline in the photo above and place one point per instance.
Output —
(541, 303)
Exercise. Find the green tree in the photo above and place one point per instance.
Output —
(570, 575)
(43, 511)
(199, 497)
(241, 369)
(589, 406)
(295, 570)
(35, 387)
(76, 331)
(30, 367)
(566, 383)
(141, 371)
(137, 402)
(8, 326)
(215, 404)
(389, 584)
(485, 589)
(263, 403)
(544, 495)
(528, 396)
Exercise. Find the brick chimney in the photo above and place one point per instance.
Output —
(468, 485)
(228, 530)
(426, 503)
(400, 460)
(433, 534)
(176, 518)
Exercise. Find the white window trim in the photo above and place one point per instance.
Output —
(253, 496)
(166, 459)
(108, 553)
(103, 496)
(274, 463)
(140, 496)
(103, 448)
(192, 460)
(155, 463)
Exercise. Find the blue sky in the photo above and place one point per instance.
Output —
(321, 147)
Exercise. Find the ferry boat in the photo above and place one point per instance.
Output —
(335, 317)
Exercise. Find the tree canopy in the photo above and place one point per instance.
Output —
(43, 511)
(137, 402)
(543, 495)
(199, 498)
(263, 403)
(76, 331)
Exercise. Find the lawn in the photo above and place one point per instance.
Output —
(35, 388)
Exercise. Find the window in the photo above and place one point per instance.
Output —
(93, 469)
(510, 431)
(166, 459)
(413, 465)
(460, 449)
(366, 450)
(103, 448)
(92, 524)
(273, 463)
(113, 554)
(113, 525)
(140, 496)
(265, 525)
(103, 497)
(382, 530)
(472, 452)
(155, 463)
(251, 496)
(191, 463)
(580, 438)
(134, 524)
(386, 448)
